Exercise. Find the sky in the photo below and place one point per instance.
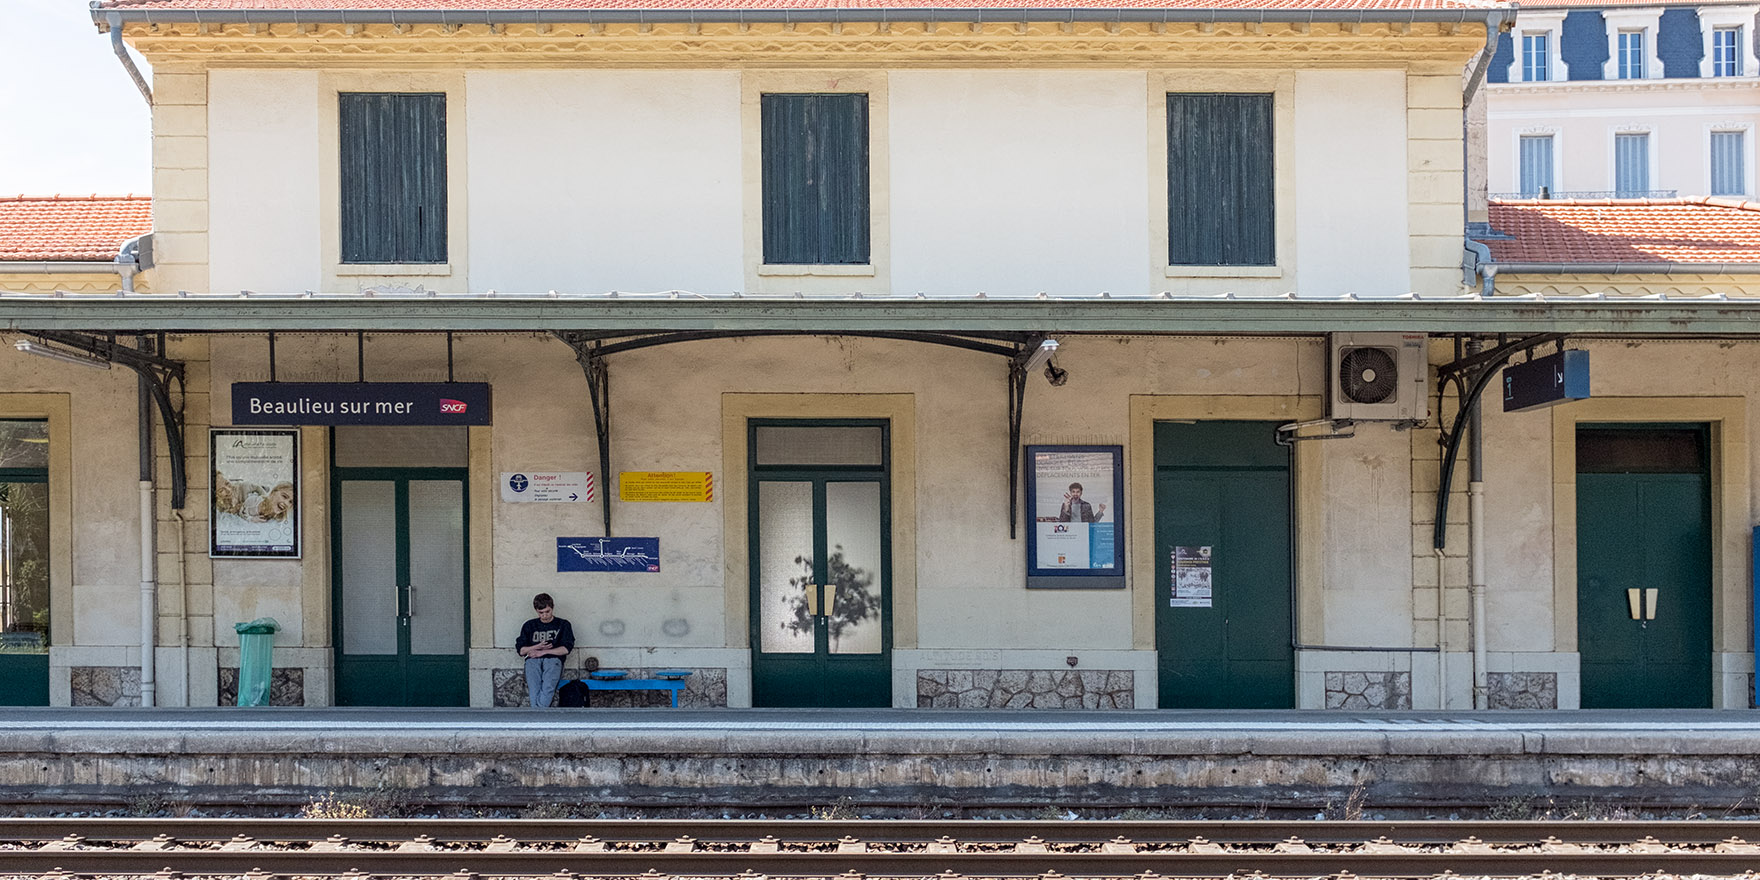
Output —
(71, 120)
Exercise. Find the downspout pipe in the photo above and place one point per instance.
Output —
(149, 539)
(1476, 546)
(114, 21)
(1475, 254)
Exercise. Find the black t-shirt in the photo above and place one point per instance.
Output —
(557, 632)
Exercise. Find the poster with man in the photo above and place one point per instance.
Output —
(1074, 504)
(255, 495)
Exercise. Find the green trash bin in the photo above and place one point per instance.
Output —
(256, 647)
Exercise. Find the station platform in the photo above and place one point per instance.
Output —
(758, 758)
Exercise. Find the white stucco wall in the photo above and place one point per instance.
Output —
(1583, 118)
(1350, 168)
(263, 142)
(589, 181)
(1016, 182)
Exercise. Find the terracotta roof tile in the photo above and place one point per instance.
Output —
(527, 5)
(1702, 230)
(70, 228)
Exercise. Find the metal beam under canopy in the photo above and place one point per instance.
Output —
(677, 312)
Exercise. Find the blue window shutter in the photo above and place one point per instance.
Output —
(1729, 163)
(1502, 59)
(1631, 165)
(815, 178)
(1220, 185)
(1536, 164)
(1583, 45)
(1678, 43)
(393, 177)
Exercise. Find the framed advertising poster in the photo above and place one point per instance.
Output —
(254, 512)
(1075, 497)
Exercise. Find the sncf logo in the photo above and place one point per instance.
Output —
(448, 405)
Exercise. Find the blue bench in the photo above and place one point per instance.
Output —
(674, 682)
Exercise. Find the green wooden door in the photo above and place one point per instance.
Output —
(1222, 489)
(821, 578)
(400, 576)
(24, 562)
(1643, 567)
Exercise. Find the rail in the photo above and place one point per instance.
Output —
(947, 849)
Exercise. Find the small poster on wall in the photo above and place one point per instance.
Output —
(1191, 578)
(255, 500)
(1073, 497)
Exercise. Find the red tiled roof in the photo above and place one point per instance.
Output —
(756, 5)
(70, 228)
(1702, 230)
(1544, 5)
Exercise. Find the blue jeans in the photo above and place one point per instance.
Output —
(542, 676)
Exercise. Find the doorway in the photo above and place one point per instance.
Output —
(821, 562)
(400, 535)
(1644, 565)
(1222, 507)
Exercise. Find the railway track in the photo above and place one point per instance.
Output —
(945, 850)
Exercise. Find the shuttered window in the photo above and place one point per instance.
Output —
(1631, 165)
(1631, 54)
(1536, 165)
(1729, 167)
(393, 177)
(815, 179)
(1220, 207)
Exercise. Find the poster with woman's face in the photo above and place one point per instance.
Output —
(255, 496)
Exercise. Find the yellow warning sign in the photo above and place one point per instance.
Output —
(665, 486)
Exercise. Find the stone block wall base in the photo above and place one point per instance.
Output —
(1026, 689)
(287, 687)
(1368, 690)
(1521, 690)
(106, 685)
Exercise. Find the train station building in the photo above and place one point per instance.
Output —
(1104, 357)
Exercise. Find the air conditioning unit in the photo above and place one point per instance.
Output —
(1379, 376)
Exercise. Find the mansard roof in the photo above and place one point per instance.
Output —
(1626, 231)
(70, 228)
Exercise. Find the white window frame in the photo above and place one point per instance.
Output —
(1651, 150)
(1747, 130)
(1629, 62)
(1735, 55)
(1713, 17)
(1550, 24)
(1627, 21)
(1557, 152)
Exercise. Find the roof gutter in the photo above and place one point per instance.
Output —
(132, 258)
(114, 21)
(1474, 253)
(1622, 268)
(113, 18)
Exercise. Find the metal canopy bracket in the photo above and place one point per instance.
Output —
(158, 371)
(1017, 396)
(1470, 375)
(589, 352)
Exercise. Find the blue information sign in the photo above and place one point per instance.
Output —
(360, 403)
(607, 554)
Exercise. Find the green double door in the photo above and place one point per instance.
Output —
(1222, 535)
(821, 572)
(1644, 566)
(399, 581)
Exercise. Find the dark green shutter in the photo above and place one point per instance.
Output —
(1220, 208)
(815, 179)
(393, 177)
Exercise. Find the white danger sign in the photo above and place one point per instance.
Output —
(554, 486)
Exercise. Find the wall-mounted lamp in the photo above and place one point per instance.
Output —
(58, 354)
(1040, 356)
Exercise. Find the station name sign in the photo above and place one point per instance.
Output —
(1546, 381)
(360, 403)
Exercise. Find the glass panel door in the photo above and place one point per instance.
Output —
(401, 586)
(821, 614)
